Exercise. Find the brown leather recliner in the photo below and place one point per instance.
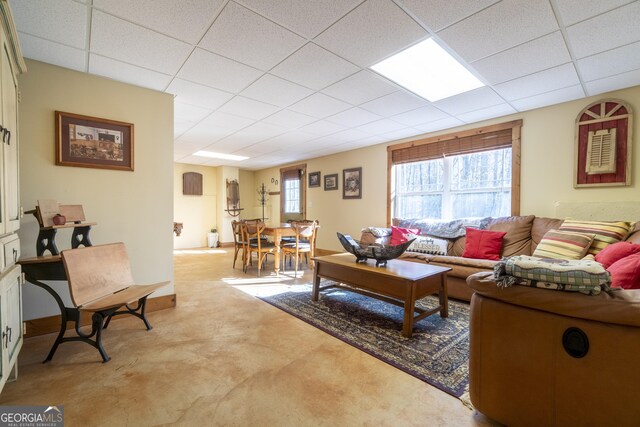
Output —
(550, 358)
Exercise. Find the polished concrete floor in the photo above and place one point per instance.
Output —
(223, 357)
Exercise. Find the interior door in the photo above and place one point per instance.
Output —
(293, 192)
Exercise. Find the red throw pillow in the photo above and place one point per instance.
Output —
(625, 273)
(615, 252)
(400, 235)
(483, 244)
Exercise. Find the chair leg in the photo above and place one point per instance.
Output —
(235, 256)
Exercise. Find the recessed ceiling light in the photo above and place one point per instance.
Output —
(219, 155)
(429, 71)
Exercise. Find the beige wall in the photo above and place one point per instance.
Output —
(547, 173)
(132, 207)
(196, 213)
(248, 195)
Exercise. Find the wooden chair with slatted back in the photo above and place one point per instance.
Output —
(256, 243)
(101, 283)
(304, 244)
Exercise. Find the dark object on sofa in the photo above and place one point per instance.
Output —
(381, 253)
(543, 357)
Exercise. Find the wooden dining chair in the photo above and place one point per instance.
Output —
(305, 236)
(292, 239)
(256, 243)
(238, 242)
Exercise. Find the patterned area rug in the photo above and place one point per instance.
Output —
(437, 353)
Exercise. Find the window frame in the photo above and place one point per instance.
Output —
(450, 139)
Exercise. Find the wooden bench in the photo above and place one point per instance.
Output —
(100, 282)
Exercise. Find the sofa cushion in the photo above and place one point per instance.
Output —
(605, 232)
(400, 235)
(625, 273)
(540, 227)
(615, 252)
(483, 244)
(634, 233)
(462, 267)
(559, 244)
(517, 241)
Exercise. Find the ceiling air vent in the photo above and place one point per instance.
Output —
(601, 152)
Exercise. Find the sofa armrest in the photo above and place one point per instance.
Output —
(621, 307)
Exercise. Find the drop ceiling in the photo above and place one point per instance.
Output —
(281, 81)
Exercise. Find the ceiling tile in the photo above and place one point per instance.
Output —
(360, 87)
(620, 81)
(131, 74)
(276, 91)
(437, 14)
(371, 32)
(124, 41)
(394, 103)
(611, 62)
(234, 142)
(189, 112)
(290, 138)
(572, 11)
(537, 55)
(487, 113)
(243, 35)
(199, 95)
(610, 30)
(245, 107)
(307, 18)
(193, 160)
(314, 67)
(289, 119)
(186, 20)
(319, 105)
(380, 126)
(469, 101)
(52, 53)
(537, 83)
(420, 115)
(499, 27)
(353, 117)
(401, 133)
(62, 21)
(204, 135)
(180, 126)
(226, 121)
(322, 127)
(549, 98)
(437, 125)
(216, 71)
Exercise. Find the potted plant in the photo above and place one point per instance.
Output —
(212, 238)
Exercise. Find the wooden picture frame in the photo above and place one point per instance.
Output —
(92, 142)
(331, 182)
(314, 179)
(352, 183)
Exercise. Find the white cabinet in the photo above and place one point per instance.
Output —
(11, 323)
(11, 64)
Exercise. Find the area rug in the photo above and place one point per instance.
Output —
(437, 353)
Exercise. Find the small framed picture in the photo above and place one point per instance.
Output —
(314, 179)
(331, 182)
(91, 142)
(352, 183)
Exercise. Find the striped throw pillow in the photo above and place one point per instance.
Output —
(563, 245)
(606, 232)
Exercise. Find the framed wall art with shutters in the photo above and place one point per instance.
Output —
(603, 144)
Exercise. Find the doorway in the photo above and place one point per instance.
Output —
(293, 193)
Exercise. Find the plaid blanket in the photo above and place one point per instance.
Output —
(586, 276)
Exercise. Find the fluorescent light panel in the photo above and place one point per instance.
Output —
(428, 70)
(223, 156)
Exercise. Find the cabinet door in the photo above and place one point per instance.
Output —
(12, 330)
(10, 143)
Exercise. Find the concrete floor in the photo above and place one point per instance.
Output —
(223, 357)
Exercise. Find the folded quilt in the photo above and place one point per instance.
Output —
(586, 276)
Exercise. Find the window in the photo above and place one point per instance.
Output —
(292, 195)
(467, 185)
(472, 173)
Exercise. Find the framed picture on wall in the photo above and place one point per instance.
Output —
(352, 183)
(331, 182)
(314, 179)
(91, 142)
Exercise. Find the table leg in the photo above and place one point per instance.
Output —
(277, 237)
(444, 297)
(315, 293)
(409, 308)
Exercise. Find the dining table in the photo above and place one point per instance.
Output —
(278, 231)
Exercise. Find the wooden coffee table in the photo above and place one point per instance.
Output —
(400, 282)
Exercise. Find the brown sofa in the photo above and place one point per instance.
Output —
(523, 235)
